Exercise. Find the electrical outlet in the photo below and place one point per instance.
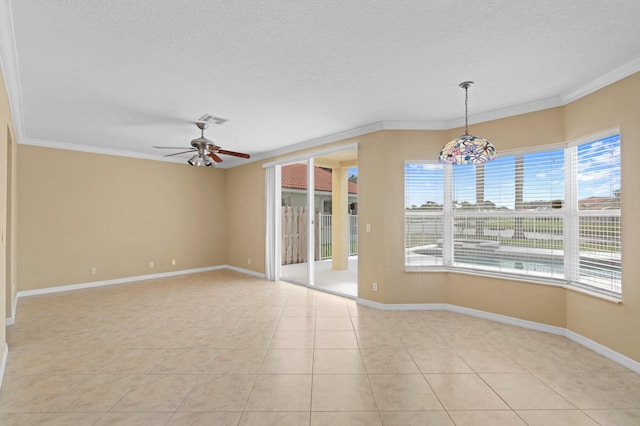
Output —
(152, 264)
(93, 271)
(368, 227)
(375, 286)
(173, 262)
(249, 261)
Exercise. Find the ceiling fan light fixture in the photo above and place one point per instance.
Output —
(467, 149)
(206, 152)
(194, 161)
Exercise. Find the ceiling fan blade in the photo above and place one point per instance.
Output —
(178, 153)
(171, 147)
(215, 157)
(235, 154)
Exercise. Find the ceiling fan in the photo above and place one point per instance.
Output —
(206, 151)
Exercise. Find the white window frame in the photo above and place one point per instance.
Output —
(570, 216)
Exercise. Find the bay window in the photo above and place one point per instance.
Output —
(550, 214)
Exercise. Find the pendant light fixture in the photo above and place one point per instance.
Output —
(467, 149)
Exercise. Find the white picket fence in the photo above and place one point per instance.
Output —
(294, 235)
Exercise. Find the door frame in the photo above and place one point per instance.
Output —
(273, 188)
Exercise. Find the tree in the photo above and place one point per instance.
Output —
(465, 205)
(430, 205)
(616, 199)
(518, 232)
(479, 199)
(353, 178)
(488, 205)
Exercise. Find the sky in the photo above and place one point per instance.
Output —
(543, 176)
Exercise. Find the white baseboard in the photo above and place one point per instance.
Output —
(606, 352)
(57, 289)
(14, 305)
(245, 271)
(80, 286)
(14, 308)
(3, 363)
(551, 329)
(403, 306)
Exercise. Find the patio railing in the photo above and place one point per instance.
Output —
(323, 240)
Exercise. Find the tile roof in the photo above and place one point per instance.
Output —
(294, 176)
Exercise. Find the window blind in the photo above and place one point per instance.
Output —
(551, 214)
(424, 213)
(508, 214)
(599, 236)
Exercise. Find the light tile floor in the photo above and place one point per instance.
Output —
(344, 282)
(222, 348)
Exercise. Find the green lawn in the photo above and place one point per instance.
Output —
(326, 249)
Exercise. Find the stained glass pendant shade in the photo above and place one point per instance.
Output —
(467, 149)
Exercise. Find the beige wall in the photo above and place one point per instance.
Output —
(79, 210)
(615, 326)
(245, 210)
(381, 158)
(533, 302)
(8, 212)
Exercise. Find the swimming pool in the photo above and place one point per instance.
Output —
(549, 264)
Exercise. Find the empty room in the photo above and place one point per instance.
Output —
(319, 213)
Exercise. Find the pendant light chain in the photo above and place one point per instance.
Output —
(467, 149)
(466, 108)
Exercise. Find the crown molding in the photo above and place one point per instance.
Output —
(323, 140)
(97, 150)
(304, 157)
(9, 66)
(415, 125)
(497, 114)
(611, 77)
(477, 118)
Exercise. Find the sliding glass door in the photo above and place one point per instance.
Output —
(312, 221)
(296, 222)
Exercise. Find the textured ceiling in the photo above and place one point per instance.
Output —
(126, 75)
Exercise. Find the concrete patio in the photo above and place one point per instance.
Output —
(344, 282)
